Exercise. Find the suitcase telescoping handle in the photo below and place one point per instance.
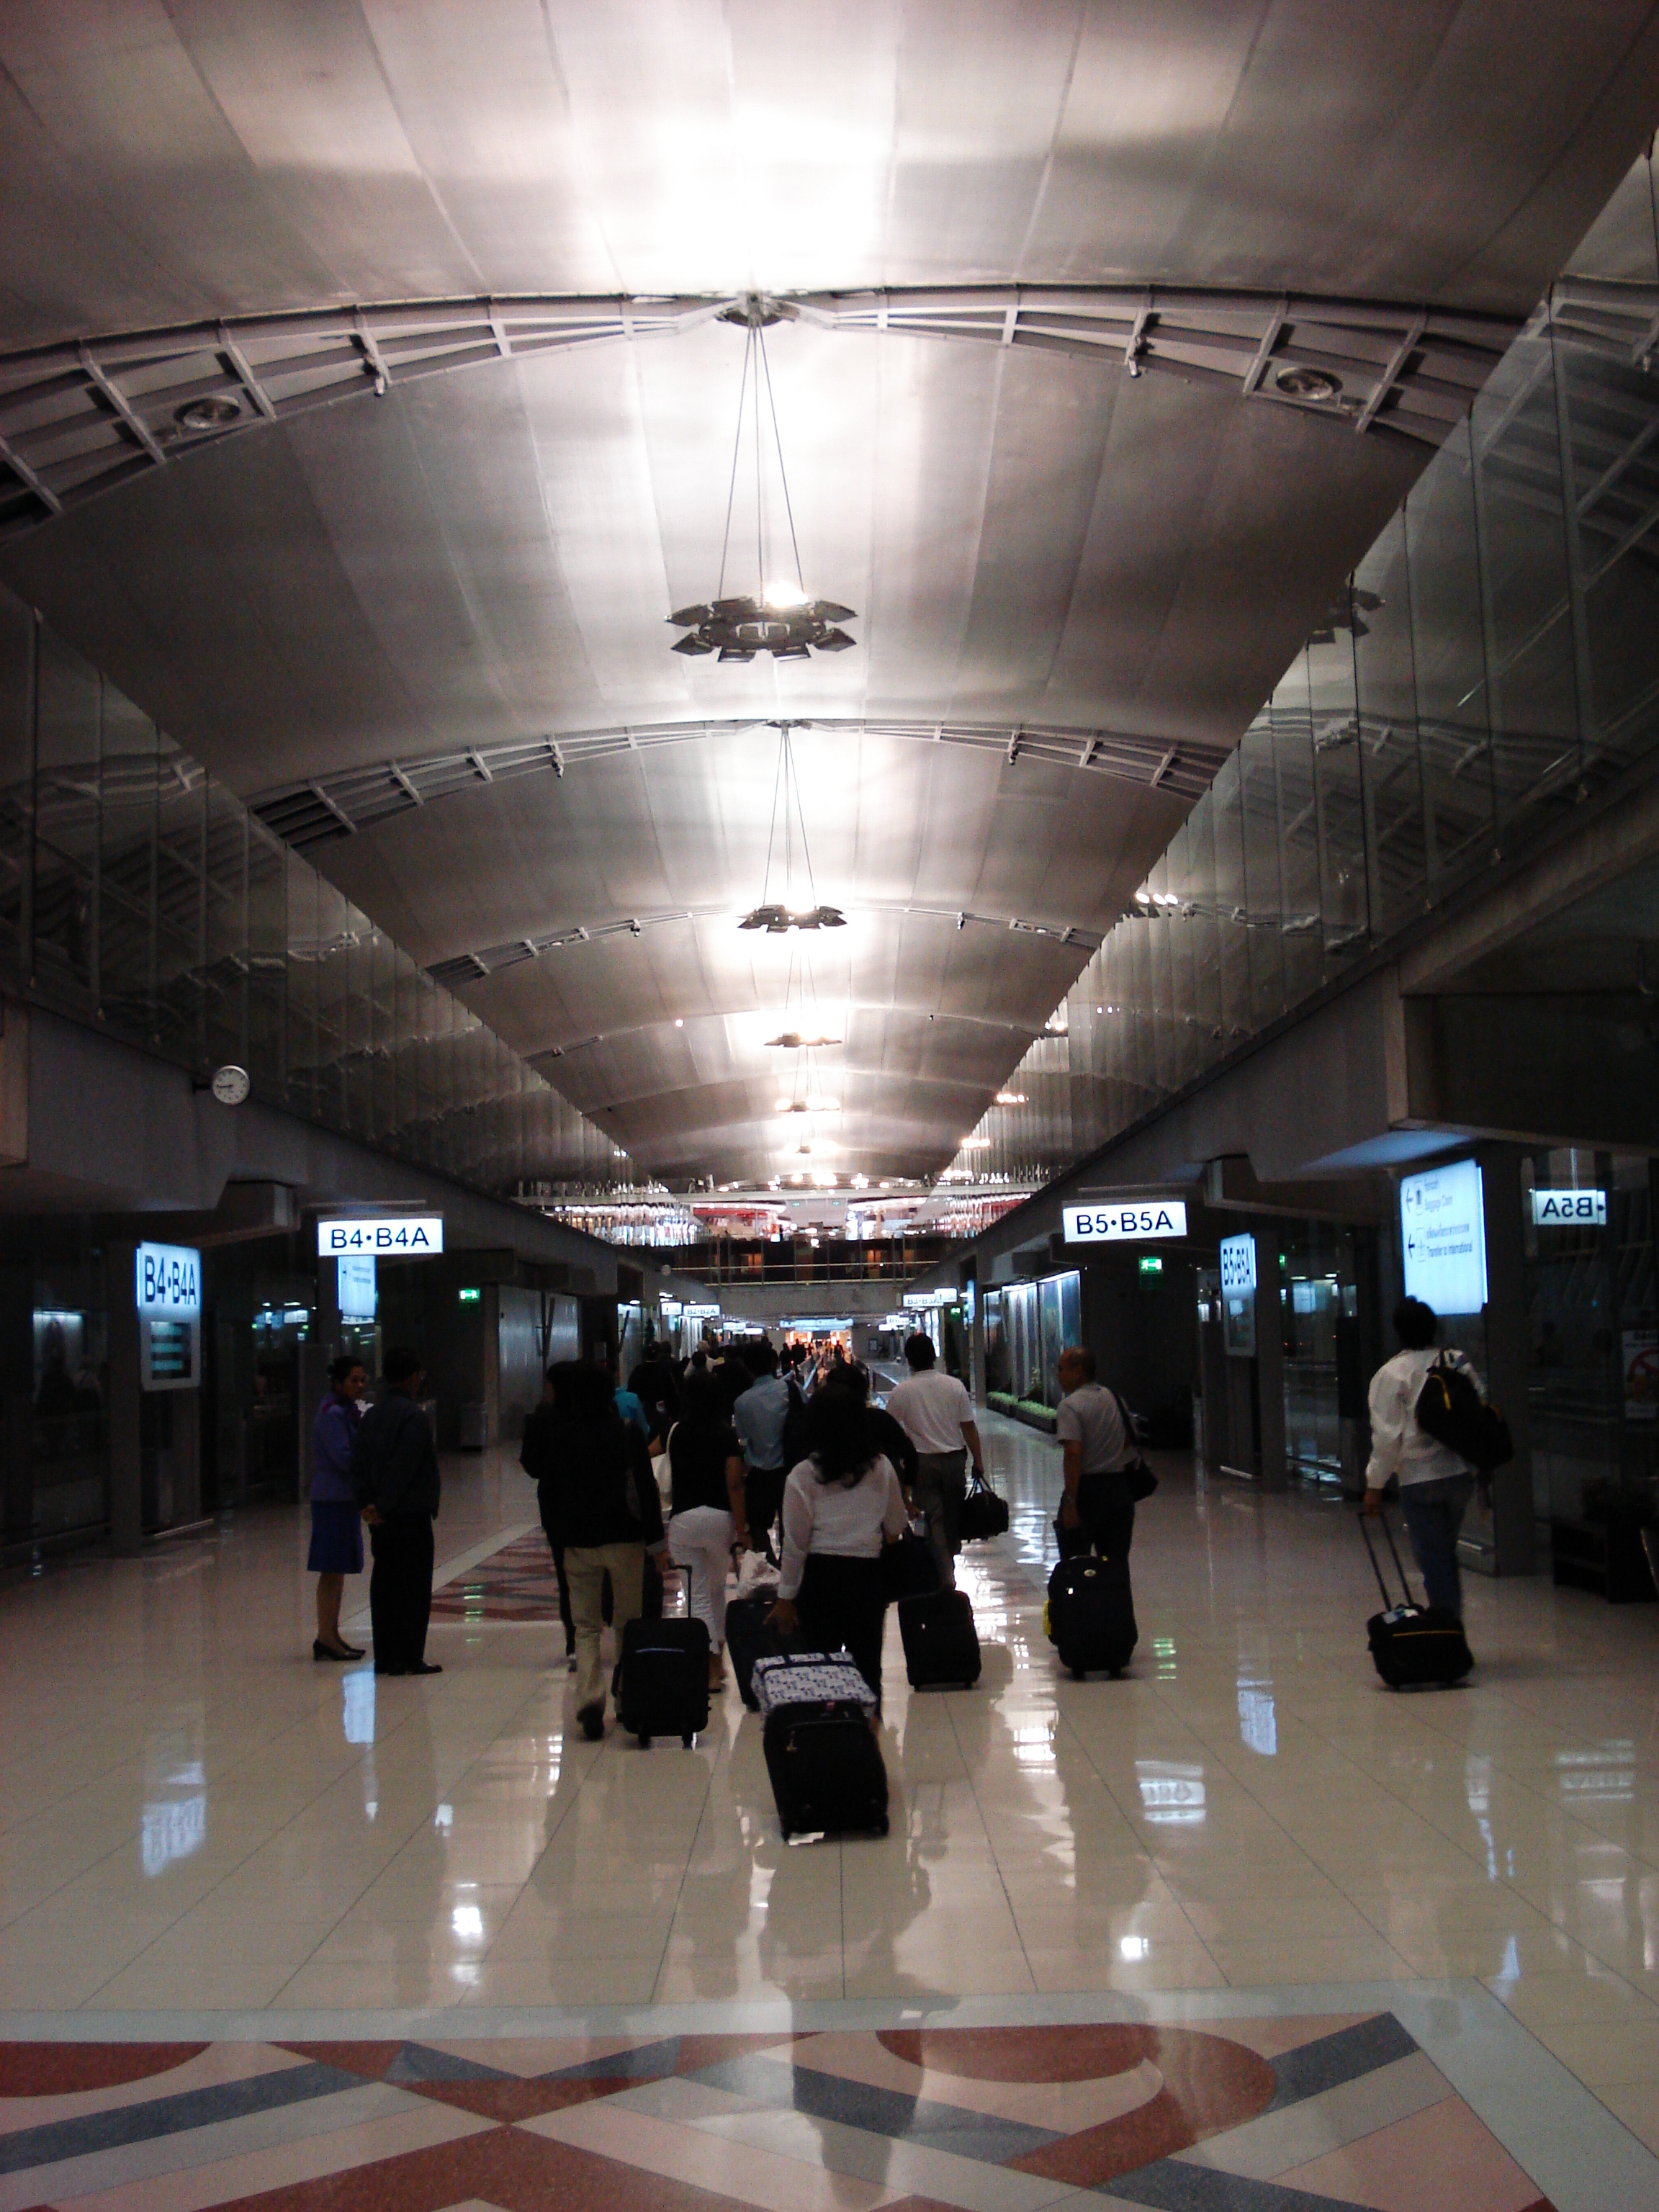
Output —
(1399, 1564)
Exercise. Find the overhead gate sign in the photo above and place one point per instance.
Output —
(1125, 1225)
(394, 1237)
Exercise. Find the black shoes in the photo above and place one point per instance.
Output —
(321, 1650)
(593, 1720)
(421, 1667)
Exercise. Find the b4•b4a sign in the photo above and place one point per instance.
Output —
(1131, 1223)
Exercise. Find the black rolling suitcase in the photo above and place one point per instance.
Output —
(662, 1681)
(825, 1764)
(1414, 1647)
(941, 1644)
(1090, 1614)
(749, 1637)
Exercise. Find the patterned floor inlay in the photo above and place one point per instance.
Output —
(1268, 2115)
(517, 1582)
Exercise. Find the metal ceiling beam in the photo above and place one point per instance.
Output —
(74, 417)
(464, 967)
(312, 811)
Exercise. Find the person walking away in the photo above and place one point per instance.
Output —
(840, 1505)
(760, 1416)
(395, 1480)
(536, 1458)
(1096, 1447)
(937, 1414)
(883, 1432)
(336, 1528)
(628, 1403)
(1436, 1485)
(705, 1466)
(603, 1508)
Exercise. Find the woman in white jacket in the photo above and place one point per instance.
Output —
(1435, 1484)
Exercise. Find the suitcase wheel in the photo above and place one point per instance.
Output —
(644, 1741)
(1080, 1673)
(688, 1740)
(881, 1826)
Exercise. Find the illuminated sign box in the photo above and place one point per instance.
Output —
(388, 1235)
(168, 1290)
(1130, 1223)
(1443, 1234)
(355, 1273)
(1238, 1264)
(169, 1281)
(1569, 1209)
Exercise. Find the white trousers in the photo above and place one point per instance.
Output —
(700, 1540)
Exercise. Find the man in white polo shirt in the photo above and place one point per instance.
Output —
(937, 1414)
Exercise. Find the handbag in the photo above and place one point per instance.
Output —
(983, 1513)
(909, 1568)
(1140, 1477)
(662, 1468)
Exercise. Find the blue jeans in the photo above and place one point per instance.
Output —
(1434, 1513)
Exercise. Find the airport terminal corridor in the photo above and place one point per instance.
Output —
(209, 1839)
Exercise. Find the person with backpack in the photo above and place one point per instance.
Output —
(1436, 1482)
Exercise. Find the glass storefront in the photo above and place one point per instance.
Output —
(1593, 1324)
(1027, 1327)
(1319, 1303)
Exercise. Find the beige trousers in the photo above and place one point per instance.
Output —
(585, 1571)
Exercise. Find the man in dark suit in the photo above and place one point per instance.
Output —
(394, 1476)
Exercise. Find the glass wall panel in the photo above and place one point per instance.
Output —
(68, 712)
(1532, 666)
(180, 914)
(1301, 934)
(127, 871)
(17, 643)
(1341, 899)
(225, 968)
(1264, 895)
(1450, 655)
(1232, 910)
(267, 960)
(1390, 760)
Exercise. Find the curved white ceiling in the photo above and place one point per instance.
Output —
(481, 561)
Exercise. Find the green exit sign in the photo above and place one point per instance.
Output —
(471, 1297)
(1151, 1264)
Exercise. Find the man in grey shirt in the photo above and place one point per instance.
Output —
(1096, 1509)
(759, 1415)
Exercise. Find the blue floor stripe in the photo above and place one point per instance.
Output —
(921, 2120)
(170, 2115)
(1326, 2064)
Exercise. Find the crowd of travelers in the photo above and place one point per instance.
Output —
(780, 1466)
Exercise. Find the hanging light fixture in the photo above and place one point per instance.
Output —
(779, 618)
(803, 1033)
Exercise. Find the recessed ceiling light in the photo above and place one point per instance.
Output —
(1010, 1098)
(1308, 383)
(216, 411)
(678, 1023)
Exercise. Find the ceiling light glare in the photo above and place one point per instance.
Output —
(1143, 898)
(792, 1041)
(1010, 1098)
(776, 920)
(782, 594)
(678, 1023)
(861, 1183)
(975, 1144)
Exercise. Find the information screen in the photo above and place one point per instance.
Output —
(1112, 1223)
(1443, 1234)
(169, 1352)
(355, 1273)
(392, 1236)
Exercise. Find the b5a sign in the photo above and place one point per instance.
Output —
(1569, 1209)
(1124, 1224)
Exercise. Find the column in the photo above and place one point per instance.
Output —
(1508, 1359)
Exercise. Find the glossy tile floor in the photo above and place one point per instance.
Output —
(195, 1820)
